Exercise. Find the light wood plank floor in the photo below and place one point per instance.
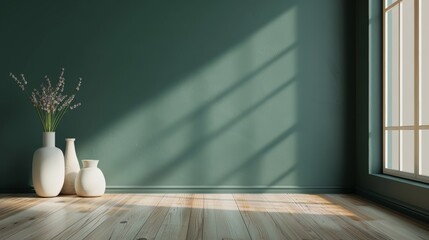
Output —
(203, 216)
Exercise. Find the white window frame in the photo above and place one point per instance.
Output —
(416, 127)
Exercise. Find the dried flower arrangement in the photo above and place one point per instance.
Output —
(51, 103)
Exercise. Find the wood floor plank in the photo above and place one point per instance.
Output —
(258, 221)
(10, 204)
(204, 216)
(383, 221)
(357, 223)
(328, 213)
(175, 225)
(222, 218)
(316, 217)
(345, 219)
(57, 222)
(33, 215)
(92, 219)
(151, 227)
(284, 215)
(128, 220)
(196, 220)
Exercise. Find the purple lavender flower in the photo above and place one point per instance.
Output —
(20, 84)
(50, 102)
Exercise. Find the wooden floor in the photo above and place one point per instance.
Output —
(203, 216)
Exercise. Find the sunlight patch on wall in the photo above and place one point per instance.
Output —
(221, 116)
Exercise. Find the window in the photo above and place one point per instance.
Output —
(406, 89)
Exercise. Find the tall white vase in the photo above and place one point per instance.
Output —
(90, 181)
(48, 168)
(71, 167)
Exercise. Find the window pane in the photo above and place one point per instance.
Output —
(392, 67)
(407, 151)
(407, 63)
(388, 2)
(424, 152)
(424, 62)
(392, 149)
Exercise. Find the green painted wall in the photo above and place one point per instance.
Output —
(215, 94)
(402, 194)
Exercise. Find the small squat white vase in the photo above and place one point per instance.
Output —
(90, 181)
(71, 167)
(48, 168)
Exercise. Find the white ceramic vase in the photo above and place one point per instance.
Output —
(90, 181)
(71, 167)
(48, 168)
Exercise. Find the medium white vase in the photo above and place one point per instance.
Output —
(71, 167)
(48, 168)
(90, 181)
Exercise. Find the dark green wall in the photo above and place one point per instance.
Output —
(406, 195)
(188, 95)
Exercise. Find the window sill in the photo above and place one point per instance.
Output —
(401, 180)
